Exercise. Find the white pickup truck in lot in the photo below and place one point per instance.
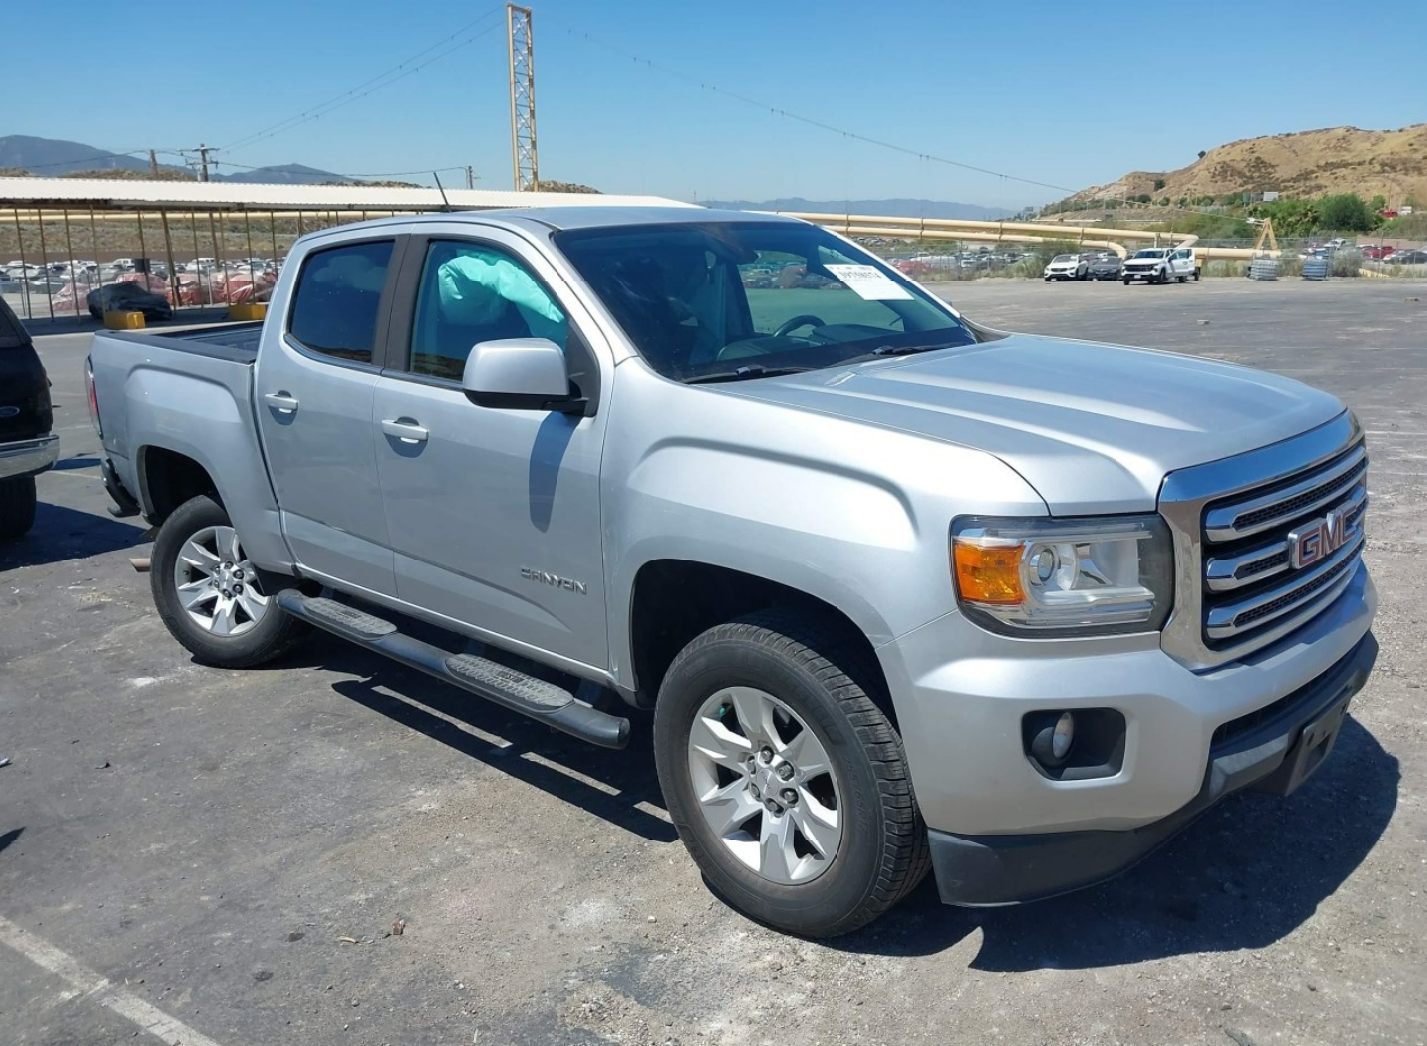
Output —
(1160, 265)
(900, 592)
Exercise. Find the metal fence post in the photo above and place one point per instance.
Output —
(24, 267)
(69, 246)
(45, 263)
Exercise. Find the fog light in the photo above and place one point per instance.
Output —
(1053, 740)
(1063, 737)
(1075, 745)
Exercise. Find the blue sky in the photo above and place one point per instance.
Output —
(1034, 90)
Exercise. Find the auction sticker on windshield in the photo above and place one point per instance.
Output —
(868, 282)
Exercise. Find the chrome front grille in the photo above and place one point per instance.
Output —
(1236, 524)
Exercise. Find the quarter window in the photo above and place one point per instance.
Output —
(339, 291)
(472, 293)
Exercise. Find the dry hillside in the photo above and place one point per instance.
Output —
(1308, 163)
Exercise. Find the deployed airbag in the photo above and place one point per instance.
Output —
(475, 288)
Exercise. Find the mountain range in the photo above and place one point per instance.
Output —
(896, 208)
(53, 156)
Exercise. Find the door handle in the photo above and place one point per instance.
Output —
(281, 402)
(405, 429)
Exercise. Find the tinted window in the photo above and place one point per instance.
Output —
(12, 335)
(472, 293)
(334, 309)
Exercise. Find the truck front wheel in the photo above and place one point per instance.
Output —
(786, 781)
(210, 595)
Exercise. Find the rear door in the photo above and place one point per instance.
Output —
(494, 514)
(316, 377)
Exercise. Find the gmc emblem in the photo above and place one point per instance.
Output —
(1320, 539)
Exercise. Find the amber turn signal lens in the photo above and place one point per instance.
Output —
(989, 574)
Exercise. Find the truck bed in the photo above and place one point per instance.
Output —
(233, 342)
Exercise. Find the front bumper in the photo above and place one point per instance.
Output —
(28, 457)
(1276, 749)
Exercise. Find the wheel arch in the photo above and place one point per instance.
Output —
(174, 472)
(168, 478)
(674, 600)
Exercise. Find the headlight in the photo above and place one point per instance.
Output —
(1064, 577)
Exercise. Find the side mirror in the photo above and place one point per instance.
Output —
(520, 374)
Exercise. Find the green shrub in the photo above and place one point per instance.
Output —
(1346, 263)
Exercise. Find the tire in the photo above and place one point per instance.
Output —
(1196, 275)
(245, 627)
(17, 507)
(809, 680)
(1125, 282)
(1182, 279)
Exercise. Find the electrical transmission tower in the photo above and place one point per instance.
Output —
(522, 99)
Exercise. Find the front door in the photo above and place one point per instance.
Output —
(494, 514)
(315, 382)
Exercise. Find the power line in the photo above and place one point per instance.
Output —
(778, 110)
(347, 97)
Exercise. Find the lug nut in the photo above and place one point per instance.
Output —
(790, 797)
(238, 589)
(766, 754)
(785, 771)
(756, 793)
(773, 808)
(238, 573)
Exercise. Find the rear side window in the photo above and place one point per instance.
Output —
(334, 309)
(12, 335)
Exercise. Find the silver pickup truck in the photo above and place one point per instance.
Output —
(901, 592)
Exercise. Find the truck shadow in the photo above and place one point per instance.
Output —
(620, 787)
(1245, 875)
(63, 533)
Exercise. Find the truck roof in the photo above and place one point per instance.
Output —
(590, 216)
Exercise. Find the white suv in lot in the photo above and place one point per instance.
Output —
(1159, 265)
(1067, 267)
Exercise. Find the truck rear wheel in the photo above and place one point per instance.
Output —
(210, 595)
(17, 507)
(787, 783)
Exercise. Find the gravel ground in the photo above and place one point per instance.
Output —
(181, 844)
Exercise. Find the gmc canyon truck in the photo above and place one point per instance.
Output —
(901, 592)
(27, 446)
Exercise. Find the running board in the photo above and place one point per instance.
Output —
(497, 683)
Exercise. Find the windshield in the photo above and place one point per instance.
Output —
(1063, 259)
(1149, 254)
(751, 298)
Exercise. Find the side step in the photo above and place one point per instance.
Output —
(504, 686)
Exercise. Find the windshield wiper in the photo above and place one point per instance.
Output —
(883, 351)
(743, 374)
(908, 350)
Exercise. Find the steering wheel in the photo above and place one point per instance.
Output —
(805, 320)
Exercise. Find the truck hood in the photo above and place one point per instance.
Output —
(1093, 428)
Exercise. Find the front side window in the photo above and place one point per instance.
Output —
(339, 291)
(701, 301)
(472, 293)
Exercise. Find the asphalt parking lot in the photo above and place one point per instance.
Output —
(219, 858)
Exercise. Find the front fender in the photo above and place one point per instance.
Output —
(853, 514)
